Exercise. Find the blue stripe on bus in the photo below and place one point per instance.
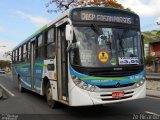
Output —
(24, 70)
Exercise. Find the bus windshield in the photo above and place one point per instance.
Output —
(100, 46)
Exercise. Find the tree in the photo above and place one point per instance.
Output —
(149, 60)
(63, 5)
(4, 64)
(8, 54)
(109, 3)
(158, 34)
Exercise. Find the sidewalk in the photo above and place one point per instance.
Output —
(153, 88)
(153, 93)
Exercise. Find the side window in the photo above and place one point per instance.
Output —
(20, 54)
(28, 53)
(16, 55)
(36, 49)
(40, 46)
(25, 53)
(50, 45)
(13, 56)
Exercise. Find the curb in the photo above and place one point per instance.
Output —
(153, 96)
(153, 78)
(153, 93)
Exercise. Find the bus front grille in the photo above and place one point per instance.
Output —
(113, 73)
(114, 86)
(109, 71)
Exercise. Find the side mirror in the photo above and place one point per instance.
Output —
(69, 32)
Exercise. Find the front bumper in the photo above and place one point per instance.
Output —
(80, 97)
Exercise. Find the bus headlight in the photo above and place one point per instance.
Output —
(140, 83)
(83, 85)
(93, 88)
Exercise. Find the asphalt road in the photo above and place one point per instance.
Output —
(27, 105)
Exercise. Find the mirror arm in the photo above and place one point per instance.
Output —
(69, 46)
(69, 21)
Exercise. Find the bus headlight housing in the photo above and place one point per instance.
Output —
(140, 82)
(83, 85)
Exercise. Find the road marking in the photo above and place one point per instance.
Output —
(9, 92)
(152, 113)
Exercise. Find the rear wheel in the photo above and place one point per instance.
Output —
(20, 88)
(49, 97)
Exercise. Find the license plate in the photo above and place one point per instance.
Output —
(117, 94)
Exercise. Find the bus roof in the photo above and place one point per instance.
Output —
(102, 7)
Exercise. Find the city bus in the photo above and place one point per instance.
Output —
(87, 56)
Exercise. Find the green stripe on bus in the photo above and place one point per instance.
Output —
(40, 30)
(23, 65)
(42, 65)
(37, 32)
(28, 64)
(134, 81)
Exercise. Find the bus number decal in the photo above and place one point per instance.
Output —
(128, 60)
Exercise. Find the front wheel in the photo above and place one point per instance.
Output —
(49, 99)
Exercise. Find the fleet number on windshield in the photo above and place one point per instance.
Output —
(128, 60)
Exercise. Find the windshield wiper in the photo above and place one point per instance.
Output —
(96, 29)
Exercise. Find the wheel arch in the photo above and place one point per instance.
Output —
(44, 85)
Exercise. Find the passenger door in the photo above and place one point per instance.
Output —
(62, 64)
(32, 64)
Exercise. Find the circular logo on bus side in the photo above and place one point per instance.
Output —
(103, 56)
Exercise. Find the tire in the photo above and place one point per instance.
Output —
(51, 103)
(20, 88)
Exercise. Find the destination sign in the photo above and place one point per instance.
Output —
(105, 18)
(85, 15)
